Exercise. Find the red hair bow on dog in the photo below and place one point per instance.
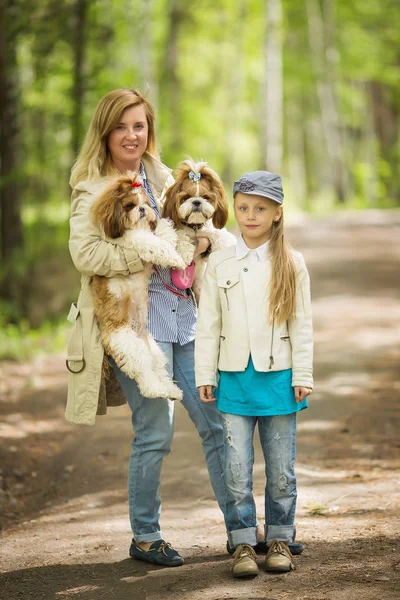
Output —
(135, 184)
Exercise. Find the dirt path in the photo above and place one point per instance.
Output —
(63, 495)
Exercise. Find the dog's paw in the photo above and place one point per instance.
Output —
(173, 260)
(185, 247)
(174, 393)
(221, 239)
(165, 230)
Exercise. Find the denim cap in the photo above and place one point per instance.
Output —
(260, 183)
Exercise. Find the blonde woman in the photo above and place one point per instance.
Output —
(122, 137)
(255, 331)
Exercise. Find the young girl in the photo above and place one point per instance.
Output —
(255, 333)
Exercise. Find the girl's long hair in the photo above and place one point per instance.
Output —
(94, 159)
(282, 296)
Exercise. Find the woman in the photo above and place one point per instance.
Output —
(121, 137)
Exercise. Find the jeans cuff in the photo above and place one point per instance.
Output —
(243, 536)
(282, 533)
(149, 537)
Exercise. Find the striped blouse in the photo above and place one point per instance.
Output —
(171, 319)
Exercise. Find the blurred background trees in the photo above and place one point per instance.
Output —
(310, 89)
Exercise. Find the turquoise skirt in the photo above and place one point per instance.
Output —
(253, 393)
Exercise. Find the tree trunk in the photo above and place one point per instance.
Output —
(79, 50)
(171, 86)
(321, 44)
(10, 186)
(296, 153)
(232, 81)
(274, 87)
(146, 52)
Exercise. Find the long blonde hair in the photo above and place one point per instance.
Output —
(94, 159)
(282, 297)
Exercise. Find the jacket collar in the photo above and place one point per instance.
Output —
(242, 250)
(156, 172)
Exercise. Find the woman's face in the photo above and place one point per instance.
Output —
(128, 140)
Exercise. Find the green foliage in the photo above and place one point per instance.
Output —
(209, 98)
(21, 342)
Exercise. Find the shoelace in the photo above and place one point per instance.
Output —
(280, 548)
(163, 546)
(244, 550)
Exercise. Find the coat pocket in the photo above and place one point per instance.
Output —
(75, 360)
(226, 284)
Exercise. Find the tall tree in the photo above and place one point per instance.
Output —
(274, 86)
(80, 18)
(146, 50)
(10, 186)
(323, 55)
(171, 83)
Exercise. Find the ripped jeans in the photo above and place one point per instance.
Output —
(278, 441)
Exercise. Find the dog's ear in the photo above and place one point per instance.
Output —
(170, 207)
(107, 210)
(220, 216)
(113, 225)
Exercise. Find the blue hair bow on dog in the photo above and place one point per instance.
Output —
(194, 176)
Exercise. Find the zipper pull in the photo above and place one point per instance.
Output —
(226, 296)
(271, 362)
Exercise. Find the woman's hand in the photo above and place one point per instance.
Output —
(206, 393)
(301, 392)
(202, 246)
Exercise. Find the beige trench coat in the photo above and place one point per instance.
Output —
(89, 393)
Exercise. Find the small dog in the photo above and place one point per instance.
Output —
(121, 303)
(198, 206)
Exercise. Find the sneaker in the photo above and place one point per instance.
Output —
(160, 553)
(279, 557)
(244, 562)
(261, 547)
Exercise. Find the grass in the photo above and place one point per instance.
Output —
(314, 508)
(20, 342)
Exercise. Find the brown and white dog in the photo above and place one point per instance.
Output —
(121, 303)
(198, 206)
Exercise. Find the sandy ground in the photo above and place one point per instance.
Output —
(63, 494)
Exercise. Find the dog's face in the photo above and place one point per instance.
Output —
(196, 203)
(196, 198)
(123, 205)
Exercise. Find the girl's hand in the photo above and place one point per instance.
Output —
(206, 393)
(203, 244)
(301, 393)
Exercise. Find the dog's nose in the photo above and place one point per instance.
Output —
(196, 203)
(142, 210)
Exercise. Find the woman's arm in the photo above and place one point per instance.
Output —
(301, 331)
(208, 329)
(91, 254)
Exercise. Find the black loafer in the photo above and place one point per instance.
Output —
(295, 548)
(160, 553)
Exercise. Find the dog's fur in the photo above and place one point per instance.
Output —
(121, 302)
(198, 209)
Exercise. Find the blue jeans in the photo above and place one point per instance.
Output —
(153, 424)
(278, 441)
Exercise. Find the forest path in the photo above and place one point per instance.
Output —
(63, 497)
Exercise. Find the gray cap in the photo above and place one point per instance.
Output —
(260, 183)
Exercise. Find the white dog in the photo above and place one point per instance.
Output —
(121, 302)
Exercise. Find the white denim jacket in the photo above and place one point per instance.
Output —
(233, 321)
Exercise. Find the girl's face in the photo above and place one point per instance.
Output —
(255, 216)
(128, 140)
